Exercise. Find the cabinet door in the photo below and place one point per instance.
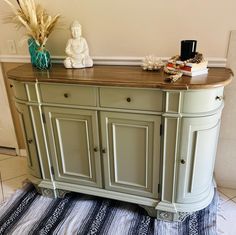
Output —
(197, 157)
(73, 137)
(131, 152)
(29, 138)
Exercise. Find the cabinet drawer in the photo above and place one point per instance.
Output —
(202, 100)
(68, 94)
(131, 98)
(19, 90)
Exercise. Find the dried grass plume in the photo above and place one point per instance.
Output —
(34, 18)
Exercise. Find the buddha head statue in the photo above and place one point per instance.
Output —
(76, 29)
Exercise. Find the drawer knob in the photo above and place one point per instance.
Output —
(30, 141)
(11, 85)
(182, 161)
(66, 95)
(95, 149)
(220, 98)
(128, 99)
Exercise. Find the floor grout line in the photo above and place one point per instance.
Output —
(233, 200)
(225, 201)
(14, 177)
(226, 195)
(1, 160)
(10, 158)
(5, 194)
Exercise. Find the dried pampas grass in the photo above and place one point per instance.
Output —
(34, 18)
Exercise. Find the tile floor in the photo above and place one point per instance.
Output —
(13, 171)
(226, 218)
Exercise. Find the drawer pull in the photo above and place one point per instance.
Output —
(66, 95)
(220, 98)
(103, 150)
(30, 141)
(128, 99)
(95, 149)
(182, 161)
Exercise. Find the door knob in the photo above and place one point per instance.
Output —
(30, 141)
(95, 149)
(182, 161)
(103, 150)
(66, 95)
(128, 99)
(219, 98)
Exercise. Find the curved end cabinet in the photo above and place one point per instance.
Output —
(122, 133)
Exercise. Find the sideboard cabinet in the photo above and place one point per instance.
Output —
(121, 133)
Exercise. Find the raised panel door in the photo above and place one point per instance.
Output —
(74, 145)
(197, 156)
(131, 152)
(29, 138)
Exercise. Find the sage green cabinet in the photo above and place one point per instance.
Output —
(74, 145)
(197, 157)
(110, 142)
(29, 139)
(131, 152)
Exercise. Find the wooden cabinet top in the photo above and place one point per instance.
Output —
(127, 76)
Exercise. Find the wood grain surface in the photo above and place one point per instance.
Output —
(130, 76)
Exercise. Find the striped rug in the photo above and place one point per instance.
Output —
(26, 212)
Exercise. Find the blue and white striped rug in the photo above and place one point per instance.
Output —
(26, 212)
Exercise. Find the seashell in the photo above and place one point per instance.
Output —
(152, 63)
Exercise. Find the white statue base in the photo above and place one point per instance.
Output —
(78, 63)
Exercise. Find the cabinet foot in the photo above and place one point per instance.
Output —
(166, 215)
(47, 192)
(52, 193)
(170, 216)
(61, 193)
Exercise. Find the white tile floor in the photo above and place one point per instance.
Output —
(227, 214)
(13, 171)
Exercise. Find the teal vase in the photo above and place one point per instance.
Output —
(40, 57)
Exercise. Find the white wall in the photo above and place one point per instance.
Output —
(226, 155)
(137, 27)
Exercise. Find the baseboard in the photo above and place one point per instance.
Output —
(13, 151)
(8, 151)
(108, 60)
(226, 184)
